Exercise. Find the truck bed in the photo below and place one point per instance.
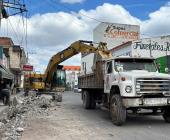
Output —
(94, 80)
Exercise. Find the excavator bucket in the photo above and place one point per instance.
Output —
(103, 51)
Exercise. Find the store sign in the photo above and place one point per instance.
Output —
(113, 31)
(28, 68)
(152, 46)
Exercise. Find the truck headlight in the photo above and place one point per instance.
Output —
(128, 89)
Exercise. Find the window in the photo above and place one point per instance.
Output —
(109, 67)
(130, 64)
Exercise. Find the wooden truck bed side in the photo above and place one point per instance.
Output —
(94, 80)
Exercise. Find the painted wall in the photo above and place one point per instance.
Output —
(15, 60)
(115, 34)
(125, 51)
(87, 63)
(155, 47)
(72, 78)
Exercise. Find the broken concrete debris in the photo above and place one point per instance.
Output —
(13, 121)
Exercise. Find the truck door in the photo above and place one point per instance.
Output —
(108, 76)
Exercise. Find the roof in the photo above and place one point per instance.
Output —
(121, 46)
(72, 68)
(6, 42)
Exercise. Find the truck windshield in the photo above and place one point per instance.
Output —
(136, 64)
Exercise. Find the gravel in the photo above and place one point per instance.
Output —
(13, 120)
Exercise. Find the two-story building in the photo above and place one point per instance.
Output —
(72, 73)
(13, 57)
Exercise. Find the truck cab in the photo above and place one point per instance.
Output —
(138, 84)
(136, 77)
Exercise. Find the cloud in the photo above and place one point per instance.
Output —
(50, 33)
(158, 22)
(72, 1)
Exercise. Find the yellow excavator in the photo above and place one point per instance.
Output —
(55, 77)
(34, 81)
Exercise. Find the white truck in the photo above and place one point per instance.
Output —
(126, 85)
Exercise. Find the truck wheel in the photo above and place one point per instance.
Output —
(117, 110)
(86, 99)
(166, 115)
(92, 102)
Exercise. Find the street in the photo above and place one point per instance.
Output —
(69, 120)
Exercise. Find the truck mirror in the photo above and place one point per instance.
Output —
(166, 70)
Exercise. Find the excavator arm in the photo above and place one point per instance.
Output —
(73, 49)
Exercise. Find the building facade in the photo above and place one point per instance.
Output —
(147, 47)
(72, 73)
(13, 58)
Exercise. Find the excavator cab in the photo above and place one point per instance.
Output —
(59, 79)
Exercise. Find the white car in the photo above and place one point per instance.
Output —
(76, 89)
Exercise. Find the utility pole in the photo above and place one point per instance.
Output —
(1, 3)
(15, 7)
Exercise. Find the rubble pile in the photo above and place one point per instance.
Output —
(13, 120)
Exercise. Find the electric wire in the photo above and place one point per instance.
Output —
(70, 9)
(13, 30)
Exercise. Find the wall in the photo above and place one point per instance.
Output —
(155, 47)
(15, 59)
(115, 34)
(72, 78)
(126, 50)
(87, 63)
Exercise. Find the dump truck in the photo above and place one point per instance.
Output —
(6, 84)
(125, 85)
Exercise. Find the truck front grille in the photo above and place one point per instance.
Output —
(152, 86)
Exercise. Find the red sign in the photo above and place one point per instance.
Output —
(26, 75)
(28, 68)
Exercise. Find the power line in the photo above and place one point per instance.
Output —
(13, 30)
(26, 33)
(74, 21)
(70, 9)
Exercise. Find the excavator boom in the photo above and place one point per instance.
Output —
(73, 49)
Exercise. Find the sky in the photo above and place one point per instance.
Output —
(52, 25)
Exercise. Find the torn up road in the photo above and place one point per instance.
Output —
(70, 121)
(38, 118)
(13, 119)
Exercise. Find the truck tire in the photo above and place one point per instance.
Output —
(166, 115)
(6, 96)
(92, 101)
(117, 110)
(86, 99)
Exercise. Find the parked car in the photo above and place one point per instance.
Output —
(76, 89)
